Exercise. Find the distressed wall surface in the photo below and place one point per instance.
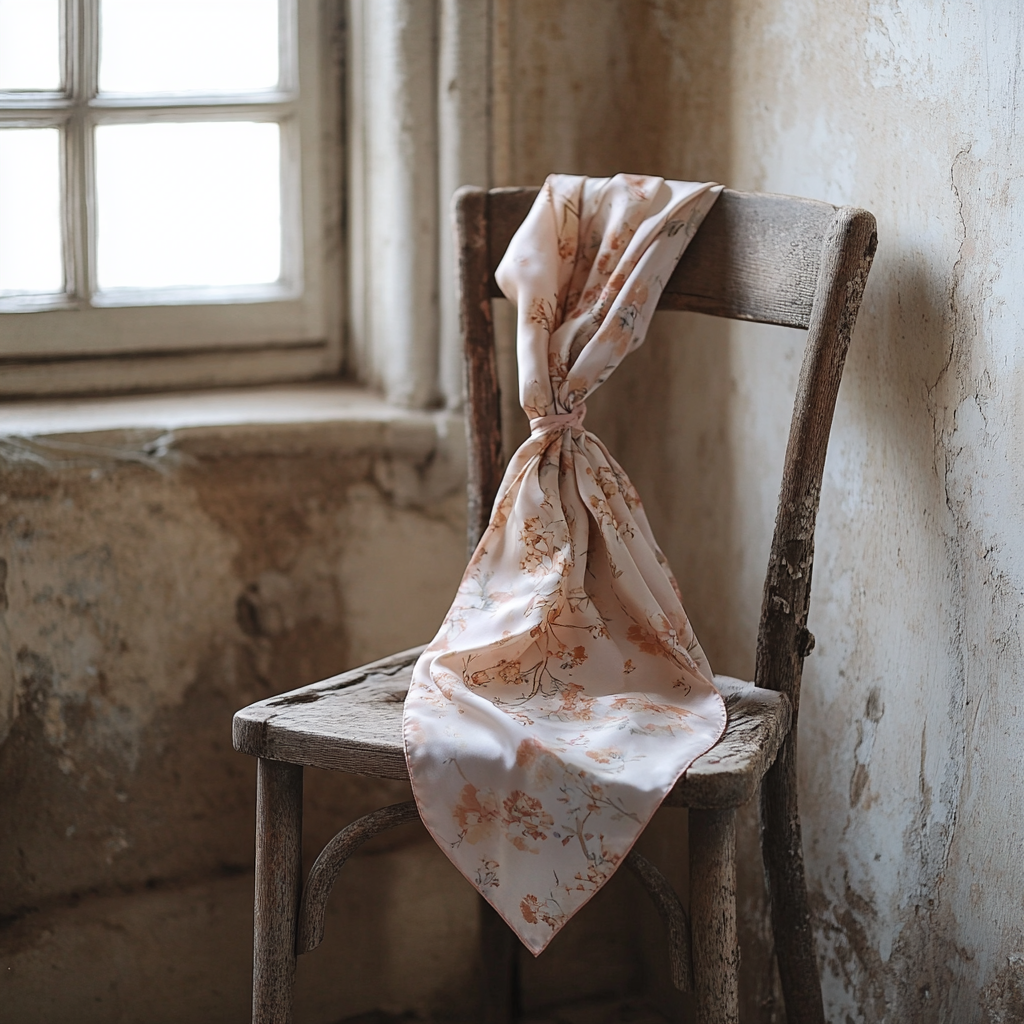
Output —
(143, 607)
(915, 833)
(910, 752)
(156, 579)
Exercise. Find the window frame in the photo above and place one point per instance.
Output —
(285, 331)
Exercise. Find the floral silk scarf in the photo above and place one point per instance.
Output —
(565, 692)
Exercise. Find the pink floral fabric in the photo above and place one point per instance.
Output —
(565, 692)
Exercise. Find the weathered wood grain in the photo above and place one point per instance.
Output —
(673, 916)
(716, 953)
(353, 723)
(325, 869)
(278, 882)
(485, 461)
(730, 772)
(783, 638)
(755, 256)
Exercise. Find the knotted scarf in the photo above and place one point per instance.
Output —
(565, 692)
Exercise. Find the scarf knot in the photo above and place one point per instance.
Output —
(572, 420)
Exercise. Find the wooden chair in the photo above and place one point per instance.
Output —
(766, 258)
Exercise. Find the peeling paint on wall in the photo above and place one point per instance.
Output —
(911, 763)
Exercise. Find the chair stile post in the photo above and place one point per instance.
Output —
(278, 888)
(783, 639)
(485, 460)
(716, 956)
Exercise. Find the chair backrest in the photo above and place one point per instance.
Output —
(769, 259)
(764, 258)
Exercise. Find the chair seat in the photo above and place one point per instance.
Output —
(353, 723)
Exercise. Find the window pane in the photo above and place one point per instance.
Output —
(30, 232)
(156, 46)
(29, 44)
(188, 204)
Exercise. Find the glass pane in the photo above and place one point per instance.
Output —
(158, 46)
(188, 204)
(30, 230)
(29, 44)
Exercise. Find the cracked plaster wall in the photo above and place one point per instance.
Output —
(911, 761)
(153, 583)
(911, 765)
(915, 833)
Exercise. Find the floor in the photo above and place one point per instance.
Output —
(627, 1011)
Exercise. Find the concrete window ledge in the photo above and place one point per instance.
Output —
(418, 456)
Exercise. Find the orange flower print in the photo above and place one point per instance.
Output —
(532, 753)
(602, 513)
(637, 295)
(641, 703)
(607, 756)
(529, 907)
(665, 643)
(606, 480)
(524, 818)
(540, 553)
(558, 369)
(637, 186)
(541, 765)
(542, 313)
(573, 704)
(630, 496)
(507, 672)
(475, 814)
(546, 911)
(573, 658)
(611, 251)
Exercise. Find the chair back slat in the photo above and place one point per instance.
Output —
(755, 257)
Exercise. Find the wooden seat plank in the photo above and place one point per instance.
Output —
(353, 723)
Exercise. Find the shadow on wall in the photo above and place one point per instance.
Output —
(891, 422)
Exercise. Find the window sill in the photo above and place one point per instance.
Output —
(414, 451)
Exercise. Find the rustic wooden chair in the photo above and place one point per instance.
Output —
(767, 258)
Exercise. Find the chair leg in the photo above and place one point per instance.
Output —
(716, 955)
(278, 887)
(499, 957)
(782, 848)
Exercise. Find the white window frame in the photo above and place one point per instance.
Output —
(81, 340)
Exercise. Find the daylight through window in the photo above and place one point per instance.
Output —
(159, 153)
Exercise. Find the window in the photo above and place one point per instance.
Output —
(169, 193)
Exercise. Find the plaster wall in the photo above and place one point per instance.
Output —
(157, 580)
(165, 561)
(914, 833)
(910, 749)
